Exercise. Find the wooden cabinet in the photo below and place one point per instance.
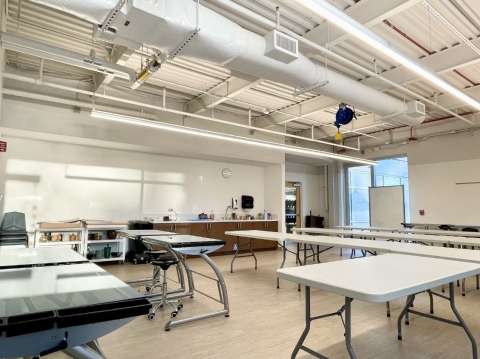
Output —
(180, 228)
(167, 227)
(217, 230)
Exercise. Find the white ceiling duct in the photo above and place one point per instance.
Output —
(171, 27)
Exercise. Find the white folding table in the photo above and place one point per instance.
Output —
(435, 232)
(419, 238)
(52, 299)
(329, 242)
(380, 279)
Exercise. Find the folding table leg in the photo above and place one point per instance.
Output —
(348, 327)
(459, 322)
(284, 253)
(308, 320)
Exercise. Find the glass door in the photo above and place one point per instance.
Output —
(293, 215)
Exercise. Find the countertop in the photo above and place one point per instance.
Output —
(215, 221)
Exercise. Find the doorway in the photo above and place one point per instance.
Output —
(293, 205)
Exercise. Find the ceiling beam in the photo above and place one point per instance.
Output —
(450, 59)
(224, 91)
(367, 12)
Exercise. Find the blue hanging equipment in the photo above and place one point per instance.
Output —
(344, 116)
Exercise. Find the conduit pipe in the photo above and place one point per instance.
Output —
(166, 109)
(164, 24)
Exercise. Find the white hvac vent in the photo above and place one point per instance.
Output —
(416, 109)
(281, 47)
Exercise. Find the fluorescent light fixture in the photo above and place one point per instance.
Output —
(347, 24)
(137, 121)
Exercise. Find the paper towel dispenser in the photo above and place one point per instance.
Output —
(247, 202)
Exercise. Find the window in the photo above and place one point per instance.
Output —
(359, 179)
(388, 172)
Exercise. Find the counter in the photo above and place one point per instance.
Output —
(216, 229)
(214, 221)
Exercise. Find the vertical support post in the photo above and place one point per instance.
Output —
(3, 156)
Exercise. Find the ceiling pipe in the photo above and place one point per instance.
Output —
(234, 47)
(238, 9)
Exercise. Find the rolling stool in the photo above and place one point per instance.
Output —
(162, 263)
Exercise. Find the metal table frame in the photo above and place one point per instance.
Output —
(345, 315)
(182, 292)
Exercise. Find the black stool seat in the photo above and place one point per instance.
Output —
(164, 261)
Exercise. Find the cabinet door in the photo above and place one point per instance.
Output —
(182, 228)
(168, 227)
(256, 225)
(199, 229)
(272, 226)
(217, 230)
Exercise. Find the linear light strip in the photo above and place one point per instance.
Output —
(349, 25)
(137, 121)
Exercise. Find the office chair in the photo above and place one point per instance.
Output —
(446, 227)
(13, 229)
(160, 266)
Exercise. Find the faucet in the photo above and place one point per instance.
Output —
(226, 211)
(172, 215)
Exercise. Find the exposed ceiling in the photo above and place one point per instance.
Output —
(420, 30)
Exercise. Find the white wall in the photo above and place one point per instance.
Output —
(274, 190)
(313, 182)
(435, 166)
(48, 180)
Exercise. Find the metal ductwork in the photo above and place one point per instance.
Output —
(182, 27)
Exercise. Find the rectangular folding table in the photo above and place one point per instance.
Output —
(395, 236)
(380, 279)
(435, 232)
(52, 299)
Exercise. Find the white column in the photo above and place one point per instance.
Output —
(3, 155)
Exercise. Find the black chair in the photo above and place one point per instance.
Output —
(446, 227)
(13, 230)
(161, 264)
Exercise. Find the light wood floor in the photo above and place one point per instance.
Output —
(266, 322)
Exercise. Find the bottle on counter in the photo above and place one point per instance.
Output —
(212, 215)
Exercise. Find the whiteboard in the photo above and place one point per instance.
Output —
(387, 206)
